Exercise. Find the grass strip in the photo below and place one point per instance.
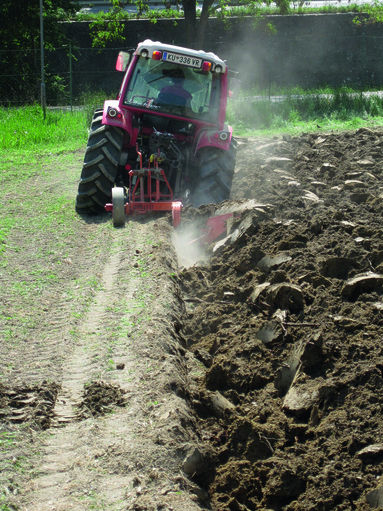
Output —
(252, 113)
(26, 137)
(25, 128)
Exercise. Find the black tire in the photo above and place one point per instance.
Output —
(216, 169)
(100, 168)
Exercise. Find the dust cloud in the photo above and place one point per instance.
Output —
(273, 51)
(189, 246)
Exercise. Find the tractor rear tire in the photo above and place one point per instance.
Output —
(216, 170)
(101, 166)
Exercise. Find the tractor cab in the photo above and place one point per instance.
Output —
(170, 80)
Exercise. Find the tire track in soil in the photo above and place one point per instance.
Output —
(77, 371)
(50, 488)
(41, 311)
(131, 458)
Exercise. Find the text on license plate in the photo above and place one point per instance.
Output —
(182, 59)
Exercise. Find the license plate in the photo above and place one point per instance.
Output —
(185, 60)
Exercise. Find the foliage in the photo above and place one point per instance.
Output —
(107, 27)
(299, 8)
(372, 13)
(20, 39)
(20, 25)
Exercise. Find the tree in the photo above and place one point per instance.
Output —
(196, 26)
(20, 44)
(108, 27)
(372, 13)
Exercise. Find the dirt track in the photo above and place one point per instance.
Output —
(253, 381)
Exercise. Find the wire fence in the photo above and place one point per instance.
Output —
(70, 73)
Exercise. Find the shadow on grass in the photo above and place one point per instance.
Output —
(101, 218)
(96, 218)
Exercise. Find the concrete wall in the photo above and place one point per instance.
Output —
(305, 50)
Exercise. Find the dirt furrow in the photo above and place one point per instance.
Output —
(286, 321)
(77, 369)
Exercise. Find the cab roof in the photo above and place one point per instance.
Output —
(151, 46)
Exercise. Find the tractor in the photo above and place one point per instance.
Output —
(163, 143)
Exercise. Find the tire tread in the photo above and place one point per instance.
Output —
(100, 167)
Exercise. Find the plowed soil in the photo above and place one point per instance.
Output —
(286, 323)
(248, 377)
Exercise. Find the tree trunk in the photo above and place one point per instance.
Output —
(190, 13)
(202, 26)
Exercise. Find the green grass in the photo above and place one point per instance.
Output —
(25, 128)
(320, 109)
(50, 261)
(31, 146)
(26, 138)
(38, 174)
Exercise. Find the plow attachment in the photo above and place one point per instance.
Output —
(149, 190)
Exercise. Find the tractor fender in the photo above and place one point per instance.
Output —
(211, 137)
(120, 119)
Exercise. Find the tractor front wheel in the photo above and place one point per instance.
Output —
(100, 168)
(216, 169)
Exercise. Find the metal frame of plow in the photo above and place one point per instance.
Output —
(145, 194)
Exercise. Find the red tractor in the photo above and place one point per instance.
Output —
(164, 141)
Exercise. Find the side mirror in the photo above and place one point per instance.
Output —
(123, 60)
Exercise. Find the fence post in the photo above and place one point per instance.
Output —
(43, 91)
(70, 77)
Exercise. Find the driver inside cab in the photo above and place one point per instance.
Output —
(175, 93)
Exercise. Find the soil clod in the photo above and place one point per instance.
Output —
(28, 404)
(100, 398)
(297, 350)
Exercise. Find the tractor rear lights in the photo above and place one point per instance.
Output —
(223, 135)
(113, 113)
(157, 55)
(206, 66)
(218, 69)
